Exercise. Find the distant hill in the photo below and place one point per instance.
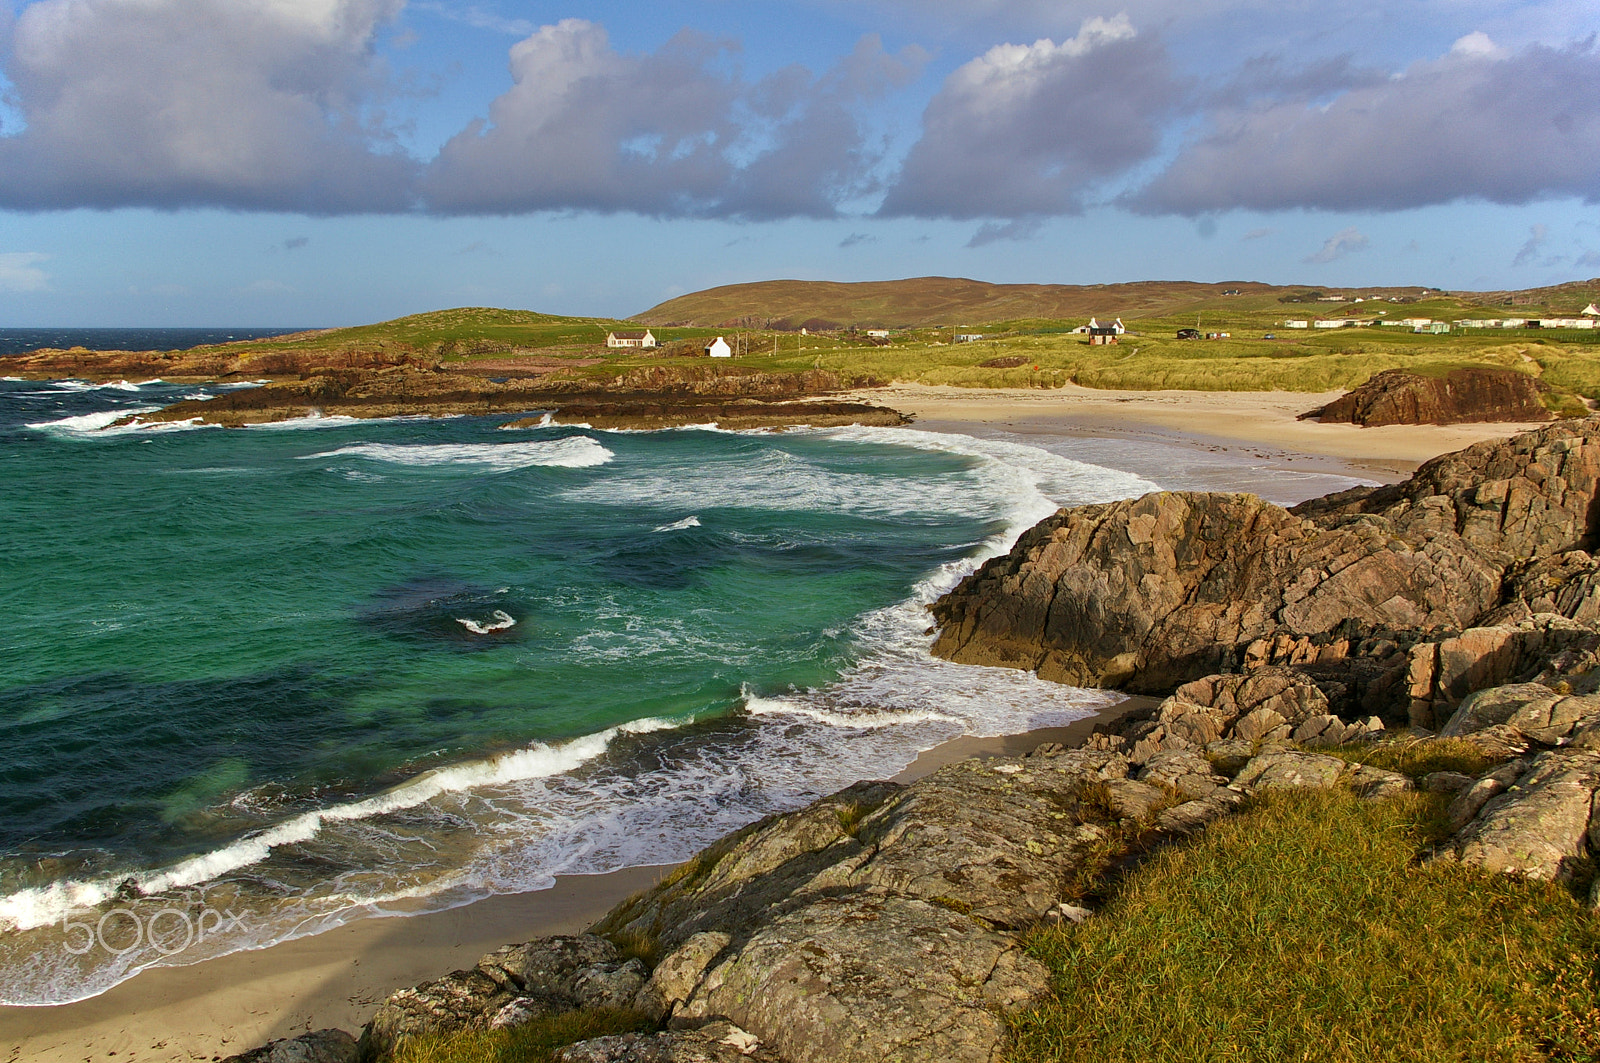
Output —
(932, 301)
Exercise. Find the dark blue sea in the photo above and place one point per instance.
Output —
(24, 340)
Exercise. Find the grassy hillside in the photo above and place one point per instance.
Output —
(945, 301)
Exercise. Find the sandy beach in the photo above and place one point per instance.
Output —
(1240, 420)
(231, 1004)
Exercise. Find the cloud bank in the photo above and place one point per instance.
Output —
(1475, 124)
(252, 104)
(280, 105)
(1027, 130)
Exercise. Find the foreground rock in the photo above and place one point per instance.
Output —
(321, 1046)
(1461, 396)
(1154, 592)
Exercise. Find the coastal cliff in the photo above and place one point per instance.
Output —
(928, 921)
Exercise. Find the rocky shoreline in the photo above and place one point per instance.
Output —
(399, 383)
(882, 923)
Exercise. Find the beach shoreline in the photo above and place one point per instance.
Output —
(337, 978)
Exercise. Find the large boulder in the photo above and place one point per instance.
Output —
(1541, 825)
(1461, 396)
(319, 1046)
(1157, 591)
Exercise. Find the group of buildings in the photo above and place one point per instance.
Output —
(646, 340)
(1587, 320)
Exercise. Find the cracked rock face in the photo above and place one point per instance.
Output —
(715, 1042)
(1538, 826)
(1157, 591)
(321, 1046)
(865, 978)
(511, 986)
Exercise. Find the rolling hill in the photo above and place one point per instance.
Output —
(944, 301)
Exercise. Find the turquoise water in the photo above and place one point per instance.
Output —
(306, 673)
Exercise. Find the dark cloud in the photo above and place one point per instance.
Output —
(1476, 124)
(249, 104)
(856, 239)
(1030, 130)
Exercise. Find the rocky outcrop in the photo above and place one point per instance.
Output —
(320, 1046)
(1398, 396)
(1157, 591)
(653, 397)
(513, 986)
(715, 1042)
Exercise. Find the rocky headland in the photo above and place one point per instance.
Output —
(1461, 396)
(1296, 648)
(383, 382)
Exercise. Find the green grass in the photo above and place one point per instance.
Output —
(1304, 930)
(533, 1043)
(1415, 759)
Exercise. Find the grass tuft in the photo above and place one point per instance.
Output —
(1305, 930)
(534, 1043)
(1418, 758)
(850, 816)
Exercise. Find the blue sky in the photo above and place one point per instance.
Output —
(325, 162)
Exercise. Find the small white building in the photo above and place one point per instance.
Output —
(1591, 311)
(1436, 328)
(877, 333)
(1297, 324)
(643, 339)
(718, 348)
(968, 337)
(1479, 322)
(1334, 322)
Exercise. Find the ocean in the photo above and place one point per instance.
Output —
(23, 340)
(258, 682)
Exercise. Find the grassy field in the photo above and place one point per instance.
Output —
(1036, 351)
(1305, 930)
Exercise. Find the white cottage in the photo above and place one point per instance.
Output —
(643, 339)
(718, 348)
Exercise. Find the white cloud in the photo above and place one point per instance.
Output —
(20, 272)
(253, 104)
(1342, 243)
(1029, 130)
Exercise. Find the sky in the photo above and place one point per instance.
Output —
(333, 162)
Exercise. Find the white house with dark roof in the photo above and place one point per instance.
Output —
(718, 348)
(631, 339)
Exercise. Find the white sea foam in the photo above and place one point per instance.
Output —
(680, 525)
(859, 719)
(574, 452)
(502, 620)
(311, 420)
(85, 425)
(42, 906)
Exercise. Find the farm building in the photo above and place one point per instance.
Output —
(968, 337)
(878, 333)
(1591, 311)
(718, 348)
(631, 339)
(1297, 324)
(1116, 327)
(1437, 328)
